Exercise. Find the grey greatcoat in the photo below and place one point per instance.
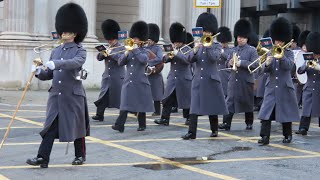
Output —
(279, 92)
(156, 80)
(240, 86)
(207, 96)
(311, 92)
(67, 98)
(136, 91)
(112, 78)
(179, 79)
(224, 73)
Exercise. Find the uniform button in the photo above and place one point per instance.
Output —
(276, 86)
(60, 70)
(108, 60)
(130, 81)
(108, 68)
(61, 58)
(202, 60)
(130, 73)
(131, 65)
(201, 69)
(109, 75)
(175, 77)
(237, 71)
(264, 73)
(204, 52)
(59, 82)
(133, 58)
(64, 49)
(175, 70)
(314, 81)
(175, 63)
(236, 79)
(314, 74)
(201, 77)
(59, 93)
(276, 69)
(277, 60)
(276, 77)
(313, 89)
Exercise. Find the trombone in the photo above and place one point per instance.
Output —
(128, 45)
(276, 51)
(205, 40)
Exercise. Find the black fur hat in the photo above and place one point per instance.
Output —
(266, 34)
(139, 30)
(72, 18)
(313, 42)
(295, 32)
(208, 22)
(302, 38)
(242, 28)
(225, 35)
(253, 39)
(110, 29)
(189, 40)
(177, 33)
(281, 30)
(154, 32)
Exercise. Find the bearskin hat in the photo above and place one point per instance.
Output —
(253, 39)
(225, 35)
(302, 38)
(72, 18)
(139, 30)
(266, 34)
(295, 32)
(313, 42)
(154, 32)
(189, 39)
(110, 29)
(208, 22)
(242, 28)
(177, 33)
(281, 30)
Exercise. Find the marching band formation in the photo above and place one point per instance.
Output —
(206, 78)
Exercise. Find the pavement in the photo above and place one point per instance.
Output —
(156, 153)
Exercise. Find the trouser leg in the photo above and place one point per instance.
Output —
(80, 147)
(305, 123)
(122, 118)
(48, 140)
(193, 123)
(249, 118)
(142, 119)
(157, 107)
(265, 128)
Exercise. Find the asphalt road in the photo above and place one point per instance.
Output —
(158, 152)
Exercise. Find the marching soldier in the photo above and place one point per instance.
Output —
(240, 86)
(113, 75)
(136, 93)
(178, 89)
(67, 111)
(207, 96)
(311, 96)
(280, 102)
(224, 38)
(156, 80)
(302, 40)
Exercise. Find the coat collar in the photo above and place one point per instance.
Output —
(69, 45)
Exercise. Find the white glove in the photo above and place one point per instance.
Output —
(50, 65)
(195, 49)
(175, 52)
(135, 46)
(269, 60)
(126, 53)
(238, 63)
(36, 69)
(317, 67)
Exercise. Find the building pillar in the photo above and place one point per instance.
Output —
(230, 13)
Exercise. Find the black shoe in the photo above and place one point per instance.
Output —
(161, 121)
(249, 127)
(78, 161)
(302, 131)
(214, 134)
(141, 128)
(264, 140)
(224, 126)
(287, 139)
(38, 161)
(155, 114)
(118, 127)
(188, 136)
(97, 118)
(187, 122)
(174, 110)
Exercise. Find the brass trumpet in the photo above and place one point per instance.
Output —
(235, 60)
(312, 63)
(205, 40)
(276, 51)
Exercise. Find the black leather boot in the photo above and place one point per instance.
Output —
(118, 128)
(98, 118)
(264, 140)
(188, 136)
(302, 131)
(38, 161)
(162, 121)
(287, 139)
(78, 160)
(224, 126)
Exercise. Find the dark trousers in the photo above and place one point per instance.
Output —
(248, 118)
(48, 140)
(168, 103)
(122, 118)
(103, 104)
(157, 107)
(305, 123)
(266, 128)
(213, 119)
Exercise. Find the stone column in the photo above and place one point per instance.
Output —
(150, 11)
(217, 12)
(41, 22)
(90, 7)
(230, 13)
(16, 20)
(192, 14)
